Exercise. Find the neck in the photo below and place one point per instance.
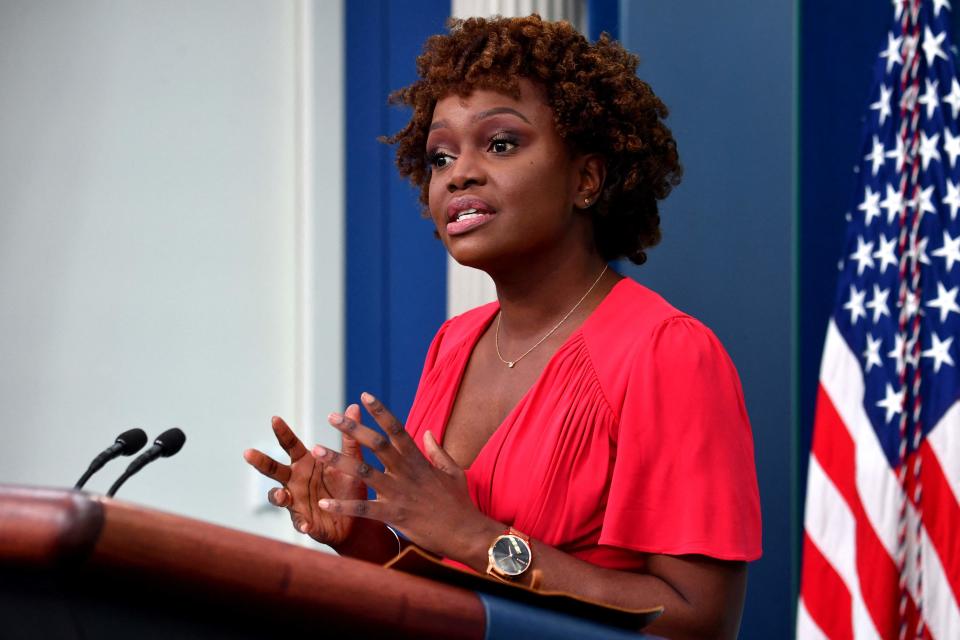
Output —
(537, 296)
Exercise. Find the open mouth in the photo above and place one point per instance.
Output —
(467, 214)
(468, 220)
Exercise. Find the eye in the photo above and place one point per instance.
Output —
(439, 159)
(502, 143)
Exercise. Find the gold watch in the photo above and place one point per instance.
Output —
(509, 556)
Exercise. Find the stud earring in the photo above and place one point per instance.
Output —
(586, 202)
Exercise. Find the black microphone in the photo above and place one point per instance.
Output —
(127, 443)
(166, 444)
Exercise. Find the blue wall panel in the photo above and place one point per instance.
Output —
(726, 72)
(366, 208)
(396, 269)
(603, 15)
(417, 265)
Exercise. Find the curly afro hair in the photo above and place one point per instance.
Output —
(599, 105)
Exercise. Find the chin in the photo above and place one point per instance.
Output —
(485, 256)
(468, 253)
(473, 259)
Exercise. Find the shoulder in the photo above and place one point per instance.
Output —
(468, 323)
(634, 320)
(635, 332)
(461, 329)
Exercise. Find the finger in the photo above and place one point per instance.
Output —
(370, 509)
(300, 523)
(354, 468)
(376, 442)
(349, 446)
(267, 465)
(389, 423)
(440, 458)
(288, 439)
(278, 497)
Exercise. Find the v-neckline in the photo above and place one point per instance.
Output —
(474, 339)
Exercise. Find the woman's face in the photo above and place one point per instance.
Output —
(504, 183)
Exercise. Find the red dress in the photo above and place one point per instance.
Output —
(633, 440)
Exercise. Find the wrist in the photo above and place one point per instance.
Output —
(476, 543)
(369, 540)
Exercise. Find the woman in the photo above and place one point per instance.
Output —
(579, 432)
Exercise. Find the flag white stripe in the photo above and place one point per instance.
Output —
(878, 488)
(807, 628)
(945, 442)
(940, 609)
(833, 529)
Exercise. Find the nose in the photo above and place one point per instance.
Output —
(466, 171)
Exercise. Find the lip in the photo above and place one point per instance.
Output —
(467, 202)
(483, 214)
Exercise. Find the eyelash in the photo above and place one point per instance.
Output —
(504, 138)
(434, 157)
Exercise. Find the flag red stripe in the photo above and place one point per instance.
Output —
(941, 515)
(835, 450)
(826, 597)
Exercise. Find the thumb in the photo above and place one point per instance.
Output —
(349, 446)
(440, 458)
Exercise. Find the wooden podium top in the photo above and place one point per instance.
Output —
(71, 532)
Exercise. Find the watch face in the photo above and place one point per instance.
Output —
(511, 554)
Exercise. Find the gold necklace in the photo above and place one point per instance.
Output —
(496, 340)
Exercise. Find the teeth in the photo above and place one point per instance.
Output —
(466, 214)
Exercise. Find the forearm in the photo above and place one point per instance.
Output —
(710, 612)
(371, 541)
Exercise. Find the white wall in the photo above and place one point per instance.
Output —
(151, 206)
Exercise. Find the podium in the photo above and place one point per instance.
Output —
(78, 566)
(73, 565)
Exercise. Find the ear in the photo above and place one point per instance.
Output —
(592, 171)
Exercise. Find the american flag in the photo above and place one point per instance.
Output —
(881, 544)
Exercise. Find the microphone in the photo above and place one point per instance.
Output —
(166, 444)
(127, 443)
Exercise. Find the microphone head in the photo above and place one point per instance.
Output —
(170, 441)
(132, 441)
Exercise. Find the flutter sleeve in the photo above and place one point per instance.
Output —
(683, 480)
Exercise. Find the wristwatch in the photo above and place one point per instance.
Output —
(509, 556)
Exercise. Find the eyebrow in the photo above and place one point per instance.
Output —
(439, 124)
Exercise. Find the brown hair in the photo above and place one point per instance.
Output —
(599, 105)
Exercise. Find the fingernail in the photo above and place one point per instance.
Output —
(366, 397)
(304, 527)
(335, 418)
(324, 504)
(319, 451)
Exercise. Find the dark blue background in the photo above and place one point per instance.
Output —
(726, 72)
(396, 269)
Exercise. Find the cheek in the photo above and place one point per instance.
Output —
(540, 187)
(434, 198)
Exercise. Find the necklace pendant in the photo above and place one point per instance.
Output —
(510, 364)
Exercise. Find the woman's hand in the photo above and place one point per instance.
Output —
(306, 480)
(426, 500)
